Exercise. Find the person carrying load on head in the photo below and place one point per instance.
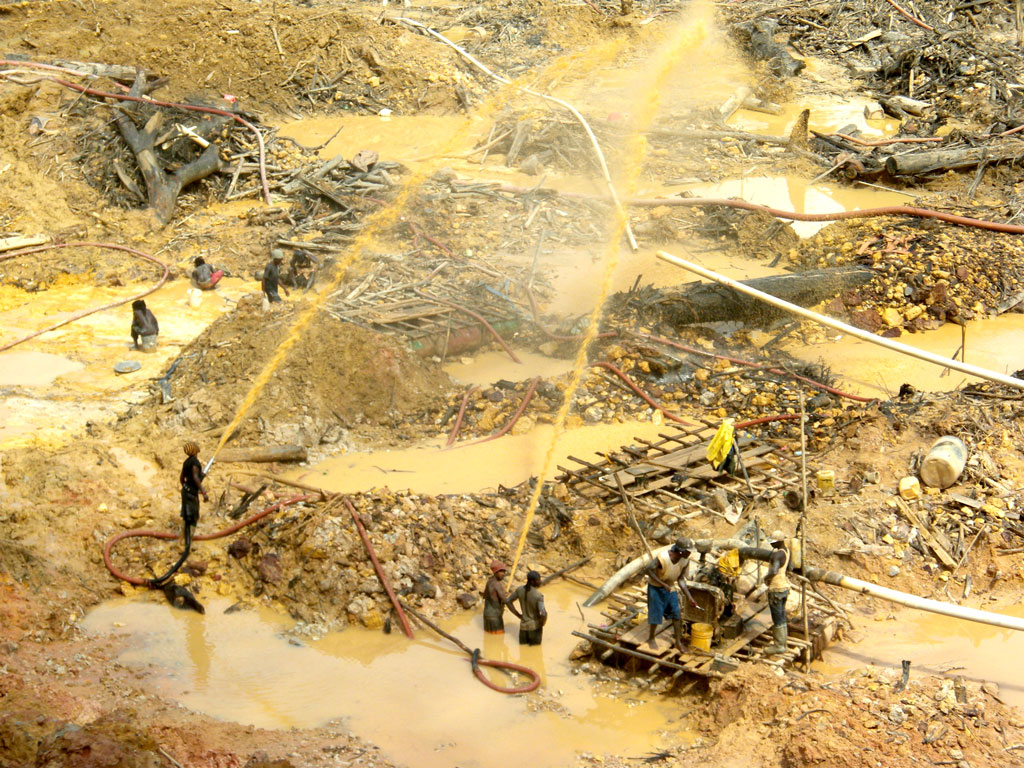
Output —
(668, 569)
(778, 591)
(494, 599)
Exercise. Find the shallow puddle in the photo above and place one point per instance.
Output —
(417, 699)
(494, 365)
(939, 645)
(30, 369)
(407, 137)
(829, 114)
(506, 461)
(795, 194)
(869, 369)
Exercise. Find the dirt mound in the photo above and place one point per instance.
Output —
(843, 722)
(336, 377)
(269, 56)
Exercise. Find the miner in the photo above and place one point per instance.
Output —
(532, 614)
(778, 591)
(666, 571)
(494, 599)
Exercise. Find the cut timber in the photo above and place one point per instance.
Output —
(708, 303)
(13, 243)
(926, 533)
(263, 454)
(119, 72)
(734, 102)
(929, 161)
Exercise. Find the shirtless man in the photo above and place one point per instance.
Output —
(494, 599)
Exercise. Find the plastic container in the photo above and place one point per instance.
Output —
(195, 297)
(700, 635)
(826, 481)
(944, 463)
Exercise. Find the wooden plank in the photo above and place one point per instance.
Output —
(940, 552)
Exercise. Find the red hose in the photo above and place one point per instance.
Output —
(477, 662)
(864, 213)
(458, 419)
(173, 105)
(380, 571)
(87, 312)
(474, 315)
(432, 240)
(515, 416)
(108, 547)
(647, 398)
(777, 371)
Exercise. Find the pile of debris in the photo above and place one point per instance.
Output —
(926, 275)
(310, 561)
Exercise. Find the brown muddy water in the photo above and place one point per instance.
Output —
(432, 469)
(417, 700)
(996, 343)
(938, 645)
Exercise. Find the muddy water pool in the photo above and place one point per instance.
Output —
(507, 461)
(418, 699)
(996, 343)
(939, 645)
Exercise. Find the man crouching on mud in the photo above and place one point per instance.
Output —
(667, 570)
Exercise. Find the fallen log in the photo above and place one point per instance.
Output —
(163, 187)
(262, 453)
(930, 161)
(708, 303)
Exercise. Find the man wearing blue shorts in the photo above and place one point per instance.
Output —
(668, 569)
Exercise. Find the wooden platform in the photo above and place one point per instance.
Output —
(670, 481)
(623, 641)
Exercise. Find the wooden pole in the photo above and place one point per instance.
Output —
(803, 525)
(906, 349)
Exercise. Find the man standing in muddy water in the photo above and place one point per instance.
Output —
(494, 600)
(144, 326)
(778, 591)
(191, 479)
(533, 616)
(667, 570)
(272, 277)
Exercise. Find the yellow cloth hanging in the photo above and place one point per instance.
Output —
(721, 443)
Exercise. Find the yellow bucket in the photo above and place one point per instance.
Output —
(700, 635)
(826, 480)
